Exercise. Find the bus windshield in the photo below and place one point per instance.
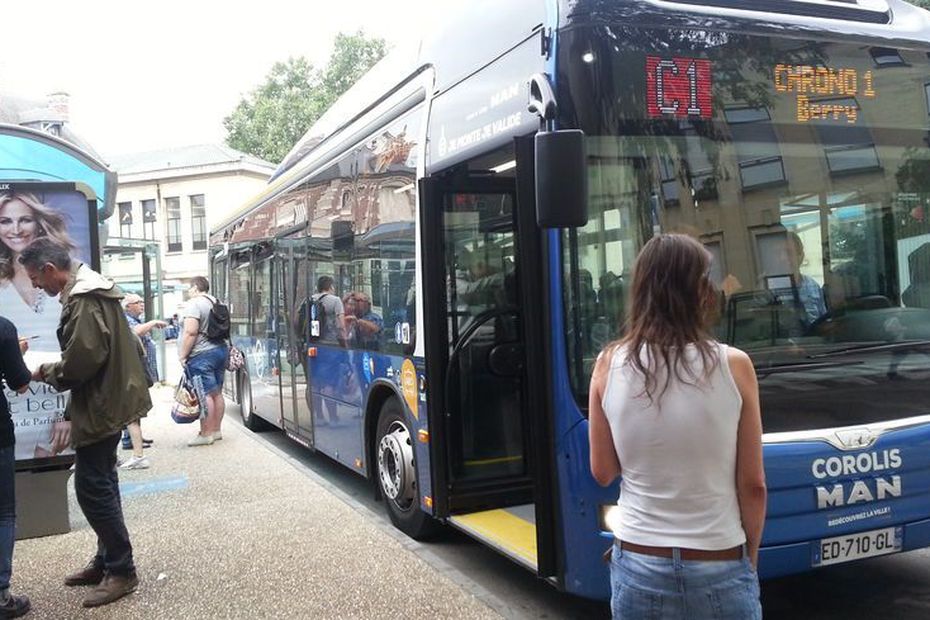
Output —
(803, 167)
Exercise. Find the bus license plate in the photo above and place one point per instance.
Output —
(857, 546)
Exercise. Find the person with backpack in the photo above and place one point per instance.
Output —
(321, 320)
(203, 350)
(327, 314)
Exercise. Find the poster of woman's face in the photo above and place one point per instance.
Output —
(27, 212)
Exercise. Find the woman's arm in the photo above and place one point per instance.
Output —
(750, 473)
(605, 465)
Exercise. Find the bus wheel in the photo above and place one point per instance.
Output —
(249, 419)
(397, 476)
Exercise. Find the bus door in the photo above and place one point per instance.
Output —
(264, 378)
(485, 453)
(291, 291)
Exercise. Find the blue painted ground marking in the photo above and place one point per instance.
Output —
(128, 489)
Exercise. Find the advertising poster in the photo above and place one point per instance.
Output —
(28, 211)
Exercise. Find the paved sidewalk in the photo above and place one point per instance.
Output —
(233, 530)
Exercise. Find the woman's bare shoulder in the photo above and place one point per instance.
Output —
(737, 355)
(740, 363)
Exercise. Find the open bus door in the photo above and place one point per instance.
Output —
(486, 317)
(290, 300)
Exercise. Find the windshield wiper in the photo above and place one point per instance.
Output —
(773, 369)
(876, 348)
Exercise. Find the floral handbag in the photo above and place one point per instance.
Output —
(235, 360)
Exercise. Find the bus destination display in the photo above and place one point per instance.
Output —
(824, 93)
(678, 87)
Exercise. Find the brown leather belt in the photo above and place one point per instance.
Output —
(734, 553)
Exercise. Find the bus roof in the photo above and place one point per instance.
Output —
(447, 47)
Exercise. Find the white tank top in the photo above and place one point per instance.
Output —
(677, 454)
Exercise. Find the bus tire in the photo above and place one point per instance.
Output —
(249, 419)
(395, 469)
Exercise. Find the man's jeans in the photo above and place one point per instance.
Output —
(7, 514)
(97, 488)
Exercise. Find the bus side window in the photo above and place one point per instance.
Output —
(384, 252)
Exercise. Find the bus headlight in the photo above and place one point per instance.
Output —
(608, 514)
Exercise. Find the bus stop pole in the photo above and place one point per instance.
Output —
(150, 250)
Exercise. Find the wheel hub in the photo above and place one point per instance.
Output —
(395, 466)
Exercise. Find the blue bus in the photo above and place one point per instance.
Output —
(475, 204)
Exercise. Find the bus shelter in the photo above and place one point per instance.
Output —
(54, 188)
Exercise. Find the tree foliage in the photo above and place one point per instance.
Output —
(921, 3)
(272, 118)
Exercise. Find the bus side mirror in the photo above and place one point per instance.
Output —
(561, 179)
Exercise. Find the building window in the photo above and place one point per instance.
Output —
(760, 162)
(700, 169)
(669, 181)
(886, 57)
(125, 219)
(199, 221)
(717, 266)
(848, 148)
(173, 220)
(148, 219)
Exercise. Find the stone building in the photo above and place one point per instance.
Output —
(170, 198)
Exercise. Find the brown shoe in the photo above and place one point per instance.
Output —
(112, 588)
(90, 575)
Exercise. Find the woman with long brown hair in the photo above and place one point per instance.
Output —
(677, 414)
(23, 219)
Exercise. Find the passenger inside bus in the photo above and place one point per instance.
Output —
(791, 287)
(363, 325)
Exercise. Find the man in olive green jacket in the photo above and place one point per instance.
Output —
(101, 366)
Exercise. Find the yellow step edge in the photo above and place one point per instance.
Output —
(504, 531)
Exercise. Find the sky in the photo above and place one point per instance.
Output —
(151, 75)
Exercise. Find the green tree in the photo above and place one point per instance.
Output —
(272, 118)
(921, 3)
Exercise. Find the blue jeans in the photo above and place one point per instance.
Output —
(7, 514)
(207, 370)
(644, 587)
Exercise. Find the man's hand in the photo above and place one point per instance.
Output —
(61, 436)
(159, 324)
(23, 345)
(37, 375)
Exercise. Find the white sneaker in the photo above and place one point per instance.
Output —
(136, 462)
(201, 440)
(218, 435)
